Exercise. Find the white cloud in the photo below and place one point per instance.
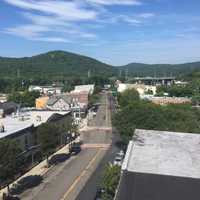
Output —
(53, 39)
(27, 31)
(55, 18)
(59, 18)
(130, 19)
(46, 20)
(115, 2)
(146, 15)
(68, 10)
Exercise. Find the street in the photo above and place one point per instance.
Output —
(67, 180)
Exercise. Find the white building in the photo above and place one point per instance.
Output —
(141, 88)
(20, 126)
(47, 90)
(85, 88)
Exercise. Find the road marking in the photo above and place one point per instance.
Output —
(81, 175)
(88, 146)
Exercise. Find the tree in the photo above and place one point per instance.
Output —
(128, 96)
(26, 98)
(9, 160)
(110, 181)
(196, 99)
(48, 137)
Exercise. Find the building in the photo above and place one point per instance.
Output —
(168, 100)
(46, 90)
(141, 88)
(85, 88)
(21, 126)
(155, 80)
(81, 97)
(60, 102)
(3, 98)
(41, 102)
(181, 83)
(161, 165)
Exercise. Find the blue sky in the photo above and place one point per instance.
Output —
(114, 31)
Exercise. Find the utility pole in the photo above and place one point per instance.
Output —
(89, 74)
(18, 73)
(120, 73)
(126, 76)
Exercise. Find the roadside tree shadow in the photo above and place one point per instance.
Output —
(9, 197)
(59, 158)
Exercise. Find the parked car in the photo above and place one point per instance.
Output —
(121, 154)
(118, 161)
(99, 194)
(119, 158)
(75, 148)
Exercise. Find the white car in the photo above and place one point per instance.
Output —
(118, 161)
(121, 154)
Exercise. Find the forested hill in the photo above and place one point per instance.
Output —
(138, 69)
(54, 64)
(61, 65)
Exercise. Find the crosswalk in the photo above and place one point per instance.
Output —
(96, 128)
(101, 146)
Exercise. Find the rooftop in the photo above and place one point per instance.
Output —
(164, 153)
(16, 123)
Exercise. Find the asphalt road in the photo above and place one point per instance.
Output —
(92, 185)
(80, 174)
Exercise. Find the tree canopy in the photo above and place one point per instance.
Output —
(9, 161)
(48, 137)
(109, 182)
(25, 99)
(146, 115)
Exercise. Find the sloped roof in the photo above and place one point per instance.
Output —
(54, 99)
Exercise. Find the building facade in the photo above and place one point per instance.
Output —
(22, 127)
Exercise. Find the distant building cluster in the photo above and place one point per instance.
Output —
(149, 92)
(52, 106)
(168, 100)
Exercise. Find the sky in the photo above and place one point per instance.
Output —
(117, 32)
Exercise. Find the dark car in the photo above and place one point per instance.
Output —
(99, 194)
(75, 148)
(11, 198)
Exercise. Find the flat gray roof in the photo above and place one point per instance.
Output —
(14, 123)
(164, 153)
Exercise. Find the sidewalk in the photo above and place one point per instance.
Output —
(39, 169)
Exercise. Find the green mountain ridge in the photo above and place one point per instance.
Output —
(139, 69)
(53, 64)
(61, 64)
